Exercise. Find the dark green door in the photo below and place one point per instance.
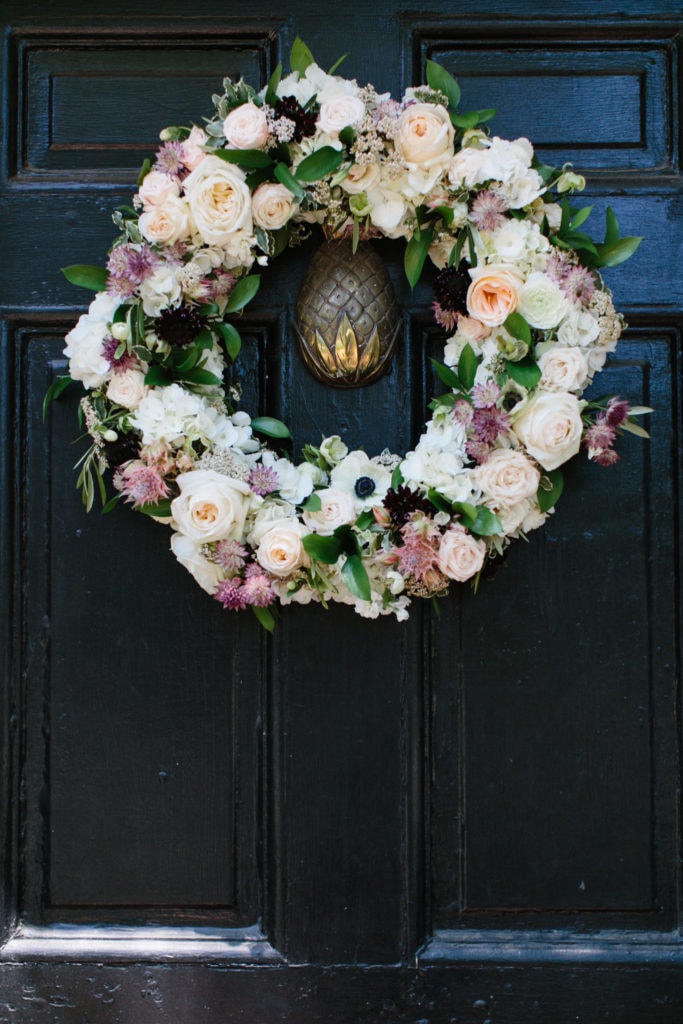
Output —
(460, 820)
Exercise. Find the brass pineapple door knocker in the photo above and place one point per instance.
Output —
(347, 320)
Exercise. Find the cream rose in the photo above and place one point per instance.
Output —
(361, 178)
(272, 205)
(507, 477)
(219, 200)
(127, 389)
(461, 555)
(281, 551)
(339, 112)
(337, 509)
(189, 553)
(246, 127)
(157, 188)
(167, 223)
(563, 369)
(550, 428)
(541, 301)
(424, 134)
(210, 506)
(493, 294)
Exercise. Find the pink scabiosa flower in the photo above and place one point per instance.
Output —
(230, 594)
(488, 211)
(140, 484)
(230, 555)
(263, 480)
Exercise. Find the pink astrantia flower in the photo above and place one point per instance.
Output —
(126, 361)
(257, 589)
(578, 284)
(230, 594)
(488, 211)
(616, 412)
(485, 395)
(140, 484)
(170, 159)
(129, 265)
(230, 555)
(447, 319)
(263, 480)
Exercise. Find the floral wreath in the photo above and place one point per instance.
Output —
(518, 291)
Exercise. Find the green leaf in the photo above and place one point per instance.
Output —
(396, 478)
(337, 63)
(348, 136)
(301, 57)
(162, 509)
(356, 578)
(456, 251)
(286, 178)
(190, 360)
(54, 391)
(611, 227)
(157, 376)
(312, 503)
(618, 252)
(472, 118)
(231, 339)
(634, 428)
(525, 372)
(271, 91)
(244, 157)
(270, 427)
(438, 501)
(112, 503)
(201, 377)
(322, 549)
(518, 327)
(416, 254)
(144, 170)
(467, 366)
(550, 489)
(464, 508)
(243, 292)
(486, 524)
(582, 215)
(323, 161)
(84, 276)
(265, 617)
(365, 521)
(449, 377)
(440, 80)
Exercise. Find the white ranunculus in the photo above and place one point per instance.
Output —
(127, 389)
(578, 328)
(210, 506)
(157, 188)
(366, 481)
(541, 301)
(219, 200)
(563, 368)
(160, 291)
(246, 127)
(361, 178)
(337, 509)
(550, 427)
(461, 555)
(281, 551)
(165, 223)
(424, 134)
(507, 477)
(272, 205)
(189, 553)
(338, 112)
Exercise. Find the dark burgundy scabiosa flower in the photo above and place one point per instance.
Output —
(303, 120)
(402, 502)
(451, 286)
(125, 448)
(179, 326)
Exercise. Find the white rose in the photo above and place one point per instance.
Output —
(541, 301)
(550, 427)
(166, 223)
(272, 205)
(157, 188)
(160, 291)
(563, 369)
(246, 127)
(339, 112)
(337, 509)
(424, 134)
(281, 551)
(210, 506)
(361, 178)
(579, 328)
(127, 389)
(189, 553)
(219, 200)
(84, 348)
(461, 555)
(507, 477)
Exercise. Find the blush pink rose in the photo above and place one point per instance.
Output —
(493, 294)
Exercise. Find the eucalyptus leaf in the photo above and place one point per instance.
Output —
(243, 292)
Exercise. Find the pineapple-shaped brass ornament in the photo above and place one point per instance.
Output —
(347, 320)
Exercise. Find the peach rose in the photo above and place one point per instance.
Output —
(424, 134)
(281, 551)
(493, 294)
